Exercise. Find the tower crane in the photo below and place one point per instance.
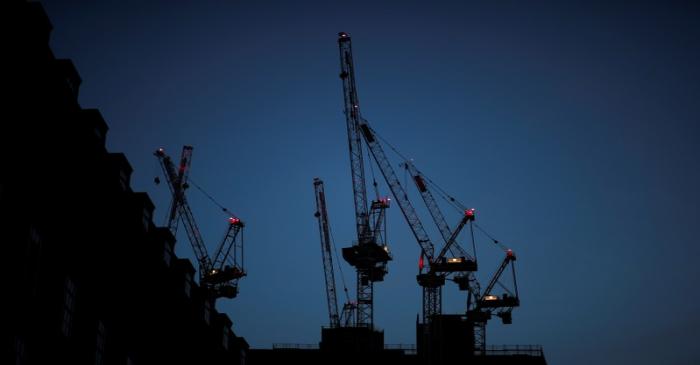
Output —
(479, 306)
(345, 319)
(219, 277)
(487, 303)
(370, 254)
(324, 232)
(462, 261)
(358, 126)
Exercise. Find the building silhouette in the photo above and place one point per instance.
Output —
(355, 345)
(91, 278)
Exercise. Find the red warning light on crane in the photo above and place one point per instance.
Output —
(470, 213)
(234, 220)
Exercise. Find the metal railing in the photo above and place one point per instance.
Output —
(295, 346)
(408, 349)
(501, 350)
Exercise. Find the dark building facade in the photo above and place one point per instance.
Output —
(90, 279)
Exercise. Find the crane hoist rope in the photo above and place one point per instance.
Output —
(339, 266)
(224, 210)
(495, 241)
(456, 204)
(336, 319)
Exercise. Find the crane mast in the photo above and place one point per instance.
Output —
(370, 254)
(324, 232)
(352, 117)
(358, 126)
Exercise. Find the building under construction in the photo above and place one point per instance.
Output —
(92, 279)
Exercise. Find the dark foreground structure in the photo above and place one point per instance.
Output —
(90, 278)
(357, 345)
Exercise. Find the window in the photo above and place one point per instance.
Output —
(207, 311)
(188, 284)
(147, 215)
(33, 260)
(34, 235)
(19, 351)
(123, 180)
(243, 357)
(225, 337)
(68, 307)
(100, 344)
(167, 254)
(98, 134)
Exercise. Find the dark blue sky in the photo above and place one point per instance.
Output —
(572, 128)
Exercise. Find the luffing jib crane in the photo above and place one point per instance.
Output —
(219, 276)
(489, 303)
(460, 260)
(326, 254)
(359, 127)
(480, 306)
(370, 254)
(462, 264)
(346, 317)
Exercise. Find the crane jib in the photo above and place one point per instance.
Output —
(367, 132)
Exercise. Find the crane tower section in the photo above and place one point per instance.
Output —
(369, 254)
(326, 254)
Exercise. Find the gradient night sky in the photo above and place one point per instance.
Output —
(572, 128)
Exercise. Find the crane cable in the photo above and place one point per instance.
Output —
(495, 241)
(459, 206)
(223, 209)
(443, 194)
(337, 260)
(375, 185)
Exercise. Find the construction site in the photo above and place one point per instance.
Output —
(98, 281)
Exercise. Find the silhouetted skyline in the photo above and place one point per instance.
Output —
(571, 128)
